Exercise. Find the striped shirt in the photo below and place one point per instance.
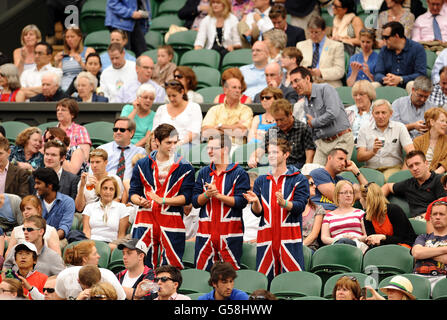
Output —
(343, 224)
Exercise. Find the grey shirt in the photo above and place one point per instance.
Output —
(405, 112)
(327, 110)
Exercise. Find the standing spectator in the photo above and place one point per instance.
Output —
(278, 16)
(432, 25)
(116, 36)
(438, 96)
(193, 12)
(188, 79)
(254, 73)
(302, 11)
(25, 153)
(10, 84)
(286, 201)
(133, 17)
(164, 68)
(24, 57)
(218, 192)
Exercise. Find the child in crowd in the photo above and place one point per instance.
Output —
(164, 68)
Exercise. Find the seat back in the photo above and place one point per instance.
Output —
(100, 132)
(203, 57)
(400, 176)
(188, 255)
(250, 280)
(401, 202)
(44, 126)
(194, 281)
(209, 93)
(98, 40)
(390, 93)
(206, 76)
(170, 7)
(439, 291)
(92, 16)
(13, 128)
(431, 58)
(373, 175)
(248, 258)
(162, 23)
(296, 284)
(237, 58)
(419, 226)
(153, 39)
(362, 278)
(345, 94)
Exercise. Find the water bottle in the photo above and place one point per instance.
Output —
(150, 286)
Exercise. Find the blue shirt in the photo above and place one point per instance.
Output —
(321, 176)
(128, 92)
(410, 63)
(236, 294)
(372, 61)
(61, 213)
(254, 78)
(320, 49)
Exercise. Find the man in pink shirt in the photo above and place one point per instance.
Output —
(431, 25)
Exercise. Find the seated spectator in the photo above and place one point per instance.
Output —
(362, 65)
(106, 219)
(347, 288)
(401, 61)
(242, 7)
(72, 59)
(312, 217)
(116, 36)
(49, 262)
(11, 289)
(428, 249)
(254, 73)
(264, 121)
(86, 85)
(75, 161)
(74, 283)
(359, 114)
(438, 96)
(385, 222)
(395, 12)
(86, 187)
(31, 206)
(144, 70)
(276, 41)
(25, 153)
(255, 23)
(399, 288)
(346, 24)
(103, 291)
(278, 16)
(344, 225)
(291, 58)
(48, 289)
(324, 57)
(51, 90)
(421, 189)
(222, 277)
(141, 112)
(440, 63)
(273, 76)
(10, 83)
(24, 57)
(92, 65)
(233, 73)
(164, 68)
(184, 115)
(188, 79)
(218, 30)
(193, 13)
(410, 110)
(433, 143)
(115, 76)
(231, 116)
(15, 179)
(429, 227)
(31, 80)
(326, 178)
(66, 112)
(380, 143)
(82, 254)
(432, 25)
(10, 215)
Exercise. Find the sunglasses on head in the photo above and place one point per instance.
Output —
(29, 229)
(49, 290)
(256, 298)
(350, 278)
(266, 98)
(163, 279)
(98, 297)
(120, 129)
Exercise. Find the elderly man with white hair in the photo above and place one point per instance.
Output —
(86, 84)
(51, 88)
(140, 111)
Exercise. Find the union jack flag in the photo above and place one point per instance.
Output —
(161, 227)
(220, 233)
(279, 240)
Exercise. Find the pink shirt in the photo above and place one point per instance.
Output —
(341, 224)
(78, 135)
(423, 26)
(177, 296)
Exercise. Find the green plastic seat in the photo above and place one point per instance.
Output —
(261, 170)
(421, 285)
(102, 248)
(309, 298)
(92, 16)
(345, 94)
(98, 40)
(248, 258)
(431, 58)
(206, 76)
(100, 132)
(361, 278)
(153, 39)
(400, 176)
(44, 126)
(390, 93)
(188, 255)
(170, 7)
(337, 258)
(182, 41)
(296, 284)
(250, 280)
(354, 158)
(237, 58)
(439, 291)
(209, 93)
(307, 253)
(242, 154)
(162, 23)
(203, 57)
(13, 128)
(194, 281)
(401, 202)
(116, 263)
(153, 54)
(387, 260)
(419, 226)
(373, 175)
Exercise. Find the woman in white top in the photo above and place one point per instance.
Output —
(32, 206)
(24, 56)
(184, 115)
(106, 219)
(218, 30)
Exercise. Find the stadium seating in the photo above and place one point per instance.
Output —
(13, 128)
(203, 57)
(431, 58)
(170, 7)
(153, 54)
(44, 126)
(206, 76)
(209, 93)
(98, 40)
(188, 255)
(153, 39)
(419, 226)
(390, 93)
(248, 258)
(182, 41)
(194, 281)
(92, 16)
(296, 284)
(100, 132)
(345, 94)
(236, 58)
(439, 291)
(401, 202)
(162, 23)
(250, 280)
(400, 176)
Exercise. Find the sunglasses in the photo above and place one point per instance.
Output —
(256, 298)
(98, 297)
(178, 76)
(266, 98)
(163, 279)
(350, 278)
(386, 37)
(29, 229)
(122, 130)
(49, 138)
(49, 290)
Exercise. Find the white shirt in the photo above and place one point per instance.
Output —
(104, 222)
(128, 282)
(264, 24)
(251, 224)
(113, 79)
(33, 77)
(91, 196)
(67, 285)
(440, 62)
(207, 32)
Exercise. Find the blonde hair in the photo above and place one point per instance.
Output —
(364, 86)
(137, 157)
(376, 202)
(25, 135)
(28, 28)
(104, 289)
(226, 11)
(340, 184)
